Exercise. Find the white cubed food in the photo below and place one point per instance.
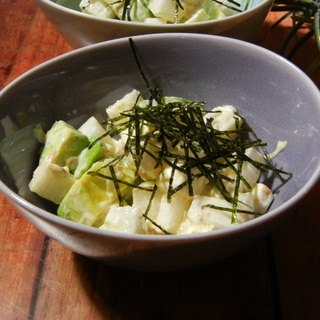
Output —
(172, 213)
(124, 219)
(163, 9)
(92, 128)
(50, 181)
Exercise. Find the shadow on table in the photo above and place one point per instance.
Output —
(243, 286)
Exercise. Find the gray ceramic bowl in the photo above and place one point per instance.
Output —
(277, 99)
(81, 29)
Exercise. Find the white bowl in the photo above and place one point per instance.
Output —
(81, 29)
(278, 100)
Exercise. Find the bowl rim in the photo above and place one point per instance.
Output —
(232, 230)
(86, 16)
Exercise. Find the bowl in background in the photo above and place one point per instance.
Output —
(81, 29)
(277, 99)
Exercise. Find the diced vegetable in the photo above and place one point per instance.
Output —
(89, 199)
(18, 151)
(52, 182)
(92, 128)
(124, 219)
(125, 103)
(91, 196)
(63, 143)
(87, 157)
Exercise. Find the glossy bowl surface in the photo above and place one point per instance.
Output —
(278, 100)
(81, 29)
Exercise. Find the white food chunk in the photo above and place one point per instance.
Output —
(171, 178)
(249, 172)
(149, 169)
(92, 128)
(50, 181)
(155, 21)
(124, 219)
(163, 9)
(172, 213)
(201, 218)
(124, 104)
(224, 118)
(142, 199)
(168, 215)
(97, 8)
(200, 15)
(281, 145)
(262, 197)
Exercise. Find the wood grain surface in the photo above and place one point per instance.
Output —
(276, 278)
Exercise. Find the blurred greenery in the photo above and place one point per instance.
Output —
(304, 14)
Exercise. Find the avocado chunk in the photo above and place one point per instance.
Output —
(87, 157)
(91, 196)
(63, 143)
(89, 199)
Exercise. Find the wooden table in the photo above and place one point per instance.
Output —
(277, 278)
